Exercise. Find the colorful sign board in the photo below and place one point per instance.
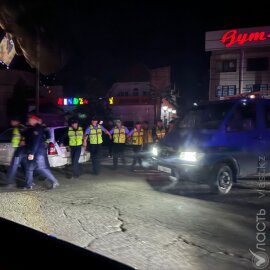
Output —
(237, 38)
(72, 101)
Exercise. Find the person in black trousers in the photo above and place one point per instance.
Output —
(75, 138)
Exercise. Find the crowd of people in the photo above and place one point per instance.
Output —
(30, 145)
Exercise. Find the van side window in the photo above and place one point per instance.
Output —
(267, 115)
(243, 118)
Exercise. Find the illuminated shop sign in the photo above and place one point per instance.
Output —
(237, 38)
(72, 101)
(111, 100)
(233, 37)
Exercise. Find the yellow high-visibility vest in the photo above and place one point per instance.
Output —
(137, 137)
(75, 136)
(119, 135)
(95, 135)
(160, 133)
(148, 137)
(16, 137)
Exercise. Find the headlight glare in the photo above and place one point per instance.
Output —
(190, 156)
(155, 151)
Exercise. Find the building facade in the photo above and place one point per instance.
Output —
(239, 62)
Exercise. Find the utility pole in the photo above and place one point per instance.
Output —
(241, 71)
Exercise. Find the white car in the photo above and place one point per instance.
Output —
(58, 156)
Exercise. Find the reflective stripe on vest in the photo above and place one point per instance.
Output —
(160, 133)
(16, 137)
(95, 135)
(119, 135)
(137, 137)
(148, 137)
(75, 136)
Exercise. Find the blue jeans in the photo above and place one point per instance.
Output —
(40, 165)
(17, 160)
(75, 152)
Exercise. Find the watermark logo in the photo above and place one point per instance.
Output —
(260, 260)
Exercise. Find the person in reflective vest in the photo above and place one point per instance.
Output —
(94, 135)
(159, 131)
(18, 143)
(119, 133)
(147, 136)
(136, 135)
(75, 140)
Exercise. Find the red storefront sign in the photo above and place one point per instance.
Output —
(233, 37)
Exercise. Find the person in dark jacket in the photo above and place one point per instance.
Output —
(35, 153)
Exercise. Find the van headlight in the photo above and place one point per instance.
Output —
(191, 156)
(155, 151)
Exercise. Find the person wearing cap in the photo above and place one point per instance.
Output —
(159, 131)
(35, 153)
(18, 144)
(94, 134)
(136, 135)
(75, 139)
(119, 133)
(147, 136)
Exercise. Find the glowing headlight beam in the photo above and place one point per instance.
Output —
(155, 151)
(190, 156)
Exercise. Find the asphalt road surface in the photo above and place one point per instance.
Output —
(146, 220)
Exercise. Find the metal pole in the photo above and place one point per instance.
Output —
(241, 71)
(37, 72)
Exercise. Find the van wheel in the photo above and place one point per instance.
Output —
(222, 179)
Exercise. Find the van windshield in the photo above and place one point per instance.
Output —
(208, 116)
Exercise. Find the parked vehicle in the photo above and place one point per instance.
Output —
(218, 142)
(58, 156)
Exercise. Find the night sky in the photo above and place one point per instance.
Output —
(104, 40)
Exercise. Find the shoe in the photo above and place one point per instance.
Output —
(55, 185)
(27, 188)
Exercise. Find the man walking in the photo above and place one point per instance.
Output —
(137, 142)
(75, 138)
(94, 133)
(35, 153)
(119, 133)
(18, 144)
(147, 136)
